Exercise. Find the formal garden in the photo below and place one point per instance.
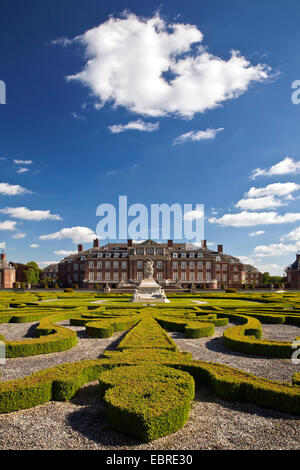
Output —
(92, 370)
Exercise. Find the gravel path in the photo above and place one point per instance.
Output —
(213, 424)
(212, 349)
(87, 348)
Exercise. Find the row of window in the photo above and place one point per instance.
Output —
(159, 265)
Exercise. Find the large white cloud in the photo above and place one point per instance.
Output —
(28, 214)
(7, 189)
(76, 234)
(275, 189)
(293, 235)
(248, 219)
(276, 249)
(8, 225)
(284, 167)
(156, 69)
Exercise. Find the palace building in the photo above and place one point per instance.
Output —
(293, 274)
(180, 265)
(7, 273)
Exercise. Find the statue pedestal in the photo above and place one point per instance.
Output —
(149, 292)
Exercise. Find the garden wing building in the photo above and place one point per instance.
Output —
(7, 273)
(293, 274)
(181, 265)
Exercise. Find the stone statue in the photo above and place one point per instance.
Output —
(149, 270)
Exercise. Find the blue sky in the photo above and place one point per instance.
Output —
(192, 121)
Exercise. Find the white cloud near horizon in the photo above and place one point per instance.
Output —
(64, 252)
(157, 69)
(7, 189)
(197, 136)
(34, 245)
(76, 234)
(2, 245)
(19, 235)
(248, 219)
(27, 214)
(138, 125)
(44, 264)
(284, 167)
(293, 235)
(276, 249)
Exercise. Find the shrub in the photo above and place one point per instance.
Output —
(231, 291)
(68, 289)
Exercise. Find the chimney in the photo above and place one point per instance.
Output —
(204, 244)
(129, 243)
(96, 243)
(220, 248)
(170, 243)
(80, 248)
(3, 256)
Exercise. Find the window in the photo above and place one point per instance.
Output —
(200, 264)
(91, 264)
(75, 266)
(235, 268)
(160, 251)
(218, 277)
(183, 264)
(235, 278)
(82, 258)
(192, 255)
(124, 265)
(124, 255)
(183, 276)
(175, 276)
(192, 265)
(140, 251)
(139, 276)
(116, 264)
(91, 276)
(159, 264)
(124, 277)
(107, 264)
(107, 276)
(149, 251)
(99, 276)
(75, 277)
(183, 255)
(208, 276)
(107, 255)
(199, 255)
(208, 265)
(200, 276)
(82, 266)
(116, 276)
(192, 276)
(99, 255)
(224, 267)
(175, 264)
(116, 255)
(175, 255)
(99, 264)
(218, 258)
(218, 267)
(159, 276)
(139, 264)
(224, 277)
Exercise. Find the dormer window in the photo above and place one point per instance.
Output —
(192, 255)
(183, 255)
(124, 255)
(218, 258)
(199, 255)
(116, 255)
(140, 251)
(82, 258)
(99, 255)
(175, 255)
(107, 255)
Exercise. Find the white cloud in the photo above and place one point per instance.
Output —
(275, 189)
(61, 42)
(12, 189)
(252, 204)
(27, 214)
(34, 245)
(273, 269)
(293, 235)
(64, 252)
(23, 162)
(157, 69)
(276, 249)
(255, 234)
(22, 170)
(248, 219)
(76, 234)
(138, 125)
(44, 264)
(78, 116)
(284, 167)
(19, 235)
(2, 245)
(246, 259)
(8, 225)
(193, 215)
(197, 136)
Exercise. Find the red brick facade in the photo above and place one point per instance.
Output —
(7, 273)
(175, 264)
(293, 274)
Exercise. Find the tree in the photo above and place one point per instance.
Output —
(266, 278)
(30, 276)
(37, 271)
